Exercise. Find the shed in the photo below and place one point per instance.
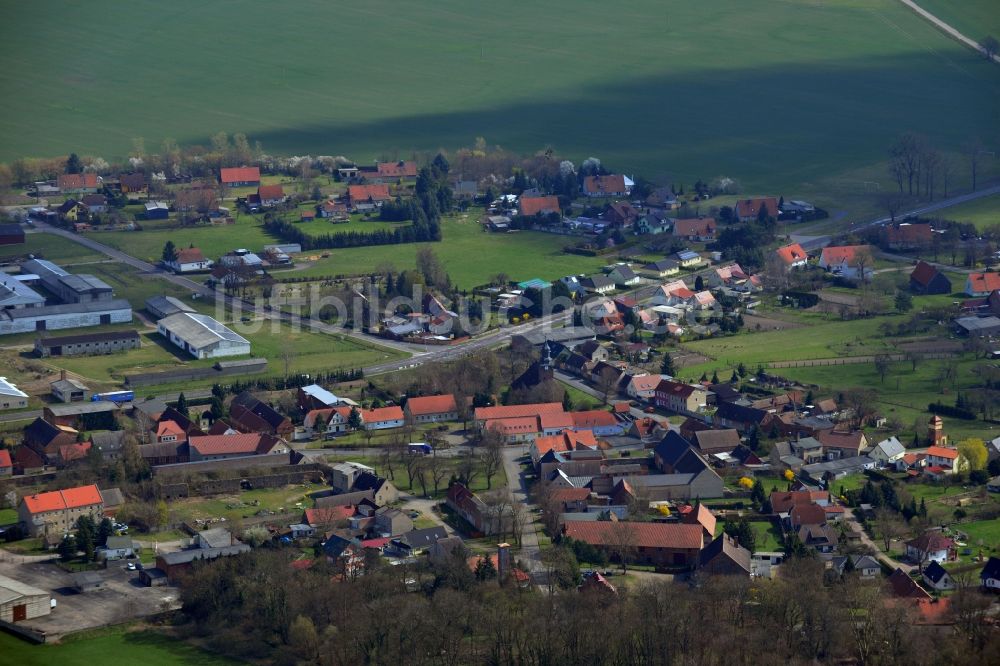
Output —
(153, 577)
(86, 581)
(19, 601)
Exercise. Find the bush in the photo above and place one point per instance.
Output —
(949, 410)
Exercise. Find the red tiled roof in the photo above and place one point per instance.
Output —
(751, 207)
(266, 192)
(514, 426)
(683, 292)
(555, 421)
(5, 460)
(611, 184)
(71, 452)
(593, 418)
(533, 205)
(514, 411)
(644, 535)
(432, 404)
(189, 255)
(833, 439)
(675, 388)
(941, 452)
(704, 226)
(807, 514)
(169, 427)
(76, 181)
(382, 414)
(843, 254)
(703, 516)
(904, 586)
(473, 562)
(784, 501)
(923, 273)
(329, 515)
(365, 192)
(208, 445)
(397, 169)
(379, 542)
(240, 175)
(569, 494)
(909, 233)
(310, 418)
(71, 498)
(931, 542)
(792, 253)
(984, 282)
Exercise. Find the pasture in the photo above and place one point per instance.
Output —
(973, 18)
(141, 647)
(983, 213)
(788, 97)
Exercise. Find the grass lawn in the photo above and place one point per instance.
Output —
(54, 248)
(987, 531)
(983, 213)
(579, 398)
(973, 18)
(8, 516)
(213, 241)
(242, 505)
(311, 352)
(470, 255)
(444, 73)
(768, 536)
(139, 647)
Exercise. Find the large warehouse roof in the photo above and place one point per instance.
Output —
(199, 330)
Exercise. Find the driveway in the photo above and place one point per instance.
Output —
(121, 598)
(530, 554)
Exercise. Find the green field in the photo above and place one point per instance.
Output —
(987, 531)
(311, 352)
(973, 18)
(983, 213)
(113, 646)
(53, 248)
(794, 97)
(213, 241)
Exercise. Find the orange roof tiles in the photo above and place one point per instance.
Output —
(365, 192)
(5, 460)
(644, 535)
(514, 411)
(382, 414)
(751, 207)
(791, 254)
(984, 282)
(704, 226)
(941, 452)
(593, 418)
(58, 500)
(269, 192)
(534, 205)
(610, 184)
(514, 426)
(240, 175)
(432, 404)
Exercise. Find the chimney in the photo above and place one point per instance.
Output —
(503, 561)
(62, 375)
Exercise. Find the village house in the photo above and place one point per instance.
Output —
(680, 398)
(6, 464)
(945, 458)
(725, 556)
(887, 452)
(908, 236)
(383, 418)
(989, 577)
(189, 260)
(531, 206)
(268, 196)
(792, 256)
(221, 447)
(133, 183)
(689, 258)
(931, 546)
(657, 544)
(937, 577)
(621, 214)
(622, 274)
(366, 198)
(250, 415)
(431, 409)
(78, 182)
(928, 280)
(55, 513)
(981, 284)
(701, 229)
(851, 262)
(748, 210)
(395, 170)
(607, 186)
(240, 176)
(839, 444)
(652, 223)
(484, 519)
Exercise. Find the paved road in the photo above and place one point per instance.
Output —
(531, 554)
(948, 30)
(879, 555)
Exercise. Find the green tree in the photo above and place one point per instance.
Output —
(485, 569)
(218, 408)
(73, 164)
(169, 252)
(86, 533)
(354, 419)
(972, 454)
(104, 530)
(757, 493)
(67, 548)
(742, 532)
(667, 365)
(904, 301)
(182, 404)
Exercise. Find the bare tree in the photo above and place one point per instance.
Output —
(883, 362)
(439, 470)
(973, 149)
(607, 385)
(622, 539)
(468, 468)
(490, 453)
(888, 526)
(990, 46)
(893, 203)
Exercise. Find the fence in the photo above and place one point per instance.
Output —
(852, 360)
(192, 374)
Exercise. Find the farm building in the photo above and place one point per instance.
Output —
(15, 295)
(11, 234)
(87, 344)
(69, 288)
(11, 397)
(156, 210)
(925, 279)
(201, 336)
(240, 176)
(69, 315)
(69, 390)
(54, 513)
(189, 260)
(164, 306)
(19, 601)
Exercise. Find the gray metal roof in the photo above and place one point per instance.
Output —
(114, 305)
(168, 305)
(199, 330)
(13, 292)
(77, 408)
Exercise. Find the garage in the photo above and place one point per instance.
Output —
(19, 602)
